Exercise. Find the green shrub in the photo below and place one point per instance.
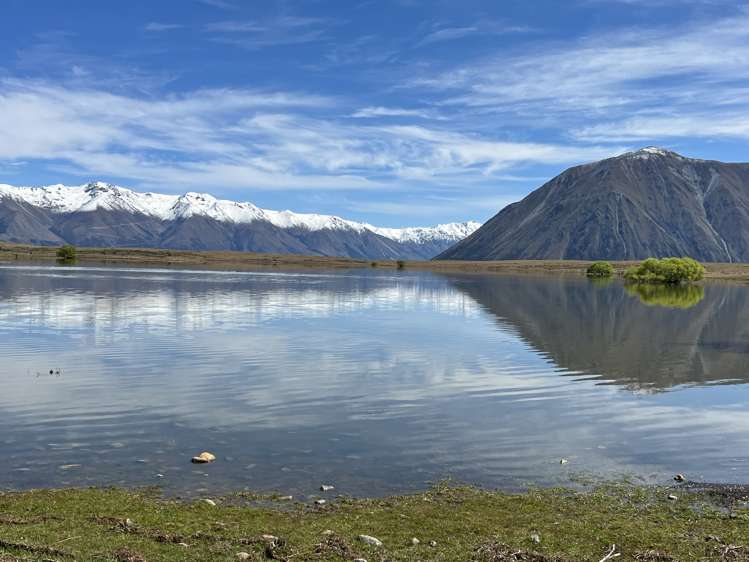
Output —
(66, 252)
(600, 269)
(666, 270)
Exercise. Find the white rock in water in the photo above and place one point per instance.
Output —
(326, 488)
(372, 541)
(680, 478)
(286, 498)
(204, 458)
(320, 502)
(563, 461)
(210, 502)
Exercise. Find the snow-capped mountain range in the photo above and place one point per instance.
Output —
(92, 215)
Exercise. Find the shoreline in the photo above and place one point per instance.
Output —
(448, 523)
(10, 253)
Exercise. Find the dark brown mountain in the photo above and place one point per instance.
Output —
(652, 202)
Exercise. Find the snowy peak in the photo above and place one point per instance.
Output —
(420, 235)
(652, 151)
(93, 196)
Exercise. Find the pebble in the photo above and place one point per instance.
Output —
(204, 458)
(320, 502)
(672, 497)
(415, 542)
(286, 498)
(372, 541)
(680, 478)
(359, 560)
(183, 545)
(432, 543)
(326, 488)
(536, 538)
(327, 532)
(563, 461)
(269, 538)
(243, 556)
(129, 523)
(210, 502)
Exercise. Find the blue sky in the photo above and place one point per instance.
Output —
(397, 112)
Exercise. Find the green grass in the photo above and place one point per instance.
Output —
(466, 523)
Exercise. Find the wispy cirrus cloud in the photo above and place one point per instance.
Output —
(280, 30)
(618, 71)
(245, 139)
(157, 27)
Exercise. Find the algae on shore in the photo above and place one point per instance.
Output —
(450, 523)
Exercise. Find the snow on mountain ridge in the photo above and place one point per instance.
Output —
(61, 199)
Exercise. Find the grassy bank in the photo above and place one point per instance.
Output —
(465, 524)
(247, 260)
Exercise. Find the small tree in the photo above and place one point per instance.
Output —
(600, 269)
(66, 252)
(667, 270)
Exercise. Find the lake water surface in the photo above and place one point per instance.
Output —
(375, 381)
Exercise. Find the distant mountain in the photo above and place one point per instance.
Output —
(104, 215)
(652, 202)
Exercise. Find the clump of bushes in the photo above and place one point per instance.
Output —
(672, 271)
(600, 269)
(66, 252)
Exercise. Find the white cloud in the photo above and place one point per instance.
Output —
(245, 139)
(614, 73)
(158, 27)
(378, 111)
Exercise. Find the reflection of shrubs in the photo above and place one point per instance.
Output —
(400, 264)
(671, 296)
(666, 270)
(600, 269)
(66, 252)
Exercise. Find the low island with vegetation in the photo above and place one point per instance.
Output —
(669, 271)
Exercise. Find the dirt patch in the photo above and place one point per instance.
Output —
(127, 555)
(31, 549)
(335, 545)
(730, 552)
(500, 552)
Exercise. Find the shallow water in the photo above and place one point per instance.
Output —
(375, 381)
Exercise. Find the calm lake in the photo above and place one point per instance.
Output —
(374, 381)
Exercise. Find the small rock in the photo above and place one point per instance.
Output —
(129, 523)
(204, 458)
(536, 538)
(320, 502)
(680, 478)
(183, 545)
(326, 488)
(672, 497)
(269, 538)
(210, 502)
(372, 541)
(286, 498)
(327, 532)
(159, 476)
(415, 542)
(432, 543)
(563, 461)
(359, 560)
(243, 556)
